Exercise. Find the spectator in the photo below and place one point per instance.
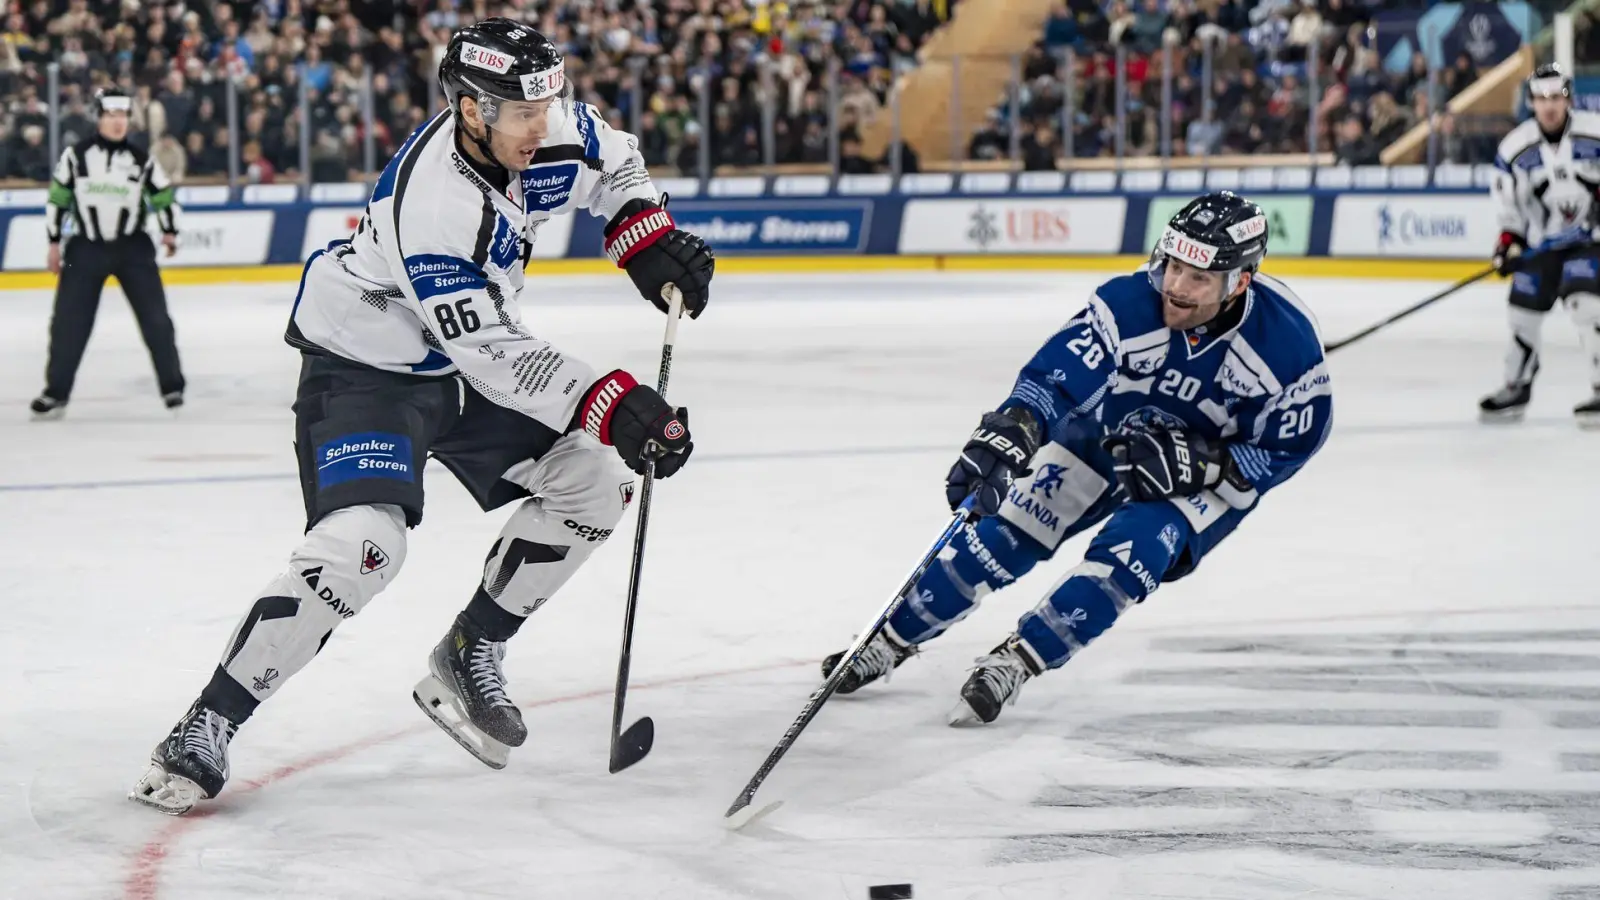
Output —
(1354, 147)
(1149, 23)
(1061, 30)
(851, 161)
(174, 161)
(1305, 29)
(1389, 121)
(32, 159)
(177, 104)
(257, 169)
(1039, 149)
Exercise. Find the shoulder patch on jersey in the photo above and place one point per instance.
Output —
(434, 274)
(547, 187)
(1529, 159)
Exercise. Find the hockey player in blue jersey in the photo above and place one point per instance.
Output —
(1166, 408)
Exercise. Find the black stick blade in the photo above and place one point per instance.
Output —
(633, 745)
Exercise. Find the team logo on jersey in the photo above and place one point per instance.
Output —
(1151, 418)
(372, 558)
(626, 490)
(1169, 538)
(1051, 476)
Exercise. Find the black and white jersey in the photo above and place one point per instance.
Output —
(432, 280)
(110, 188)
(1545, 190)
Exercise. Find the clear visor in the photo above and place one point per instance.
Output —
(116, 104)
(1156, 271)
(520, 118)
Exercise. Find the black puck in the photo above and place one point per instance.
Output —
(889, 892)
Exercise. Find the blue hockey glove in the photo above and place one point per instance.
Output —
(995, 454)
(1162, 463)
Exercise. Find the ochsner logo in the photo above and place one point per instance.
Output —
(1411, 226)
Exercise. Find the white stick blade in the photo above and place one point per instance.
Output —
(749, 815)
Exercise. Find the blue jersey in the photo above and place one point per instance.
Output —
(1261, 386)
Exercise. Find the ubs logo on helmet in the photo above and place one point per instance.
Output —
(486, 59)
(539, 85)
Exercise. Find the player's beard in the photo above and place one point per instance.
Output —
(1183, 314)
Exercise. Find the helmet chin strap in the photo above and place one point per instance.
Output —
(482, 143)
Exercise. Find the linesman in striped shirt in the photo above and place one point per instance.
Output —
(112, 190)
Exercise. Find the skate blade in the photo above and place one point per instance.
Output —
(54, 415)
(165, 792)
(1588, 421)
(964, 716)
(1502, 417)
(436, 701)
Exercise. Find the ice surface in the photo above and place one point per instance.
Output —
(1386, 685)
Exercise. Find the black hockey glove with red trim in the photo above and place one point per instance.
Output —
(620, 412)
(1508, 252)
(995, 455)
(643, 240)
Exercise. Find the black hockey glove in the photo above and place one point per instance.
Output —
(1162, 463)
(1508, 253)
(997, 453)
(620, 412)
(643, 240)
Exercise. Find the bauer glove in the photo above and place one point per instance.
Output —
(995, 455)
(1164, 463)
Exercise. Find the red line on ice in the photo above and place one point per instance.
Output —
(144, 875)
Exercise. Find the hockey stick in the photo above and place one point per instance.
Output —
(632, 745)
(1415, 307)
(740, 814)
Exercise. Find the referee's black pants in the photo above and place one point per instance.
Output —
(85, 266)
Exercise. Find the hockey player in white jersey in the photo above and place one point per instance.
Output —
(414, 344)
(1547, 190)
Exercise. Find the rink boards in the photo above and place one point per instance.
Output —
(265, 235)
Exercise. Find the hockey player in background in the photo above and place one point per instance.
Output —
(1545, 188)
(1165, 409)
(414, 344)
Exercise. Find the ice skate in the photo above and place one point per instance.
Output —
(1509, 404)
(46, 407)
(878, 658)
(465, 694)
(1588, 412)
(173, 400)
(190, 765)
(995, 682)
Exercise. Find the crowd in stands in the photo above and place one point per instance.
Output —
(644, 62)
(1262, 53)
(177, 57)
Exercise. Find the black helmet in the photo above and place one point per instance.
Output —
(1219, 232)
(1549, 80)
(112, 98)
(501, 59)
